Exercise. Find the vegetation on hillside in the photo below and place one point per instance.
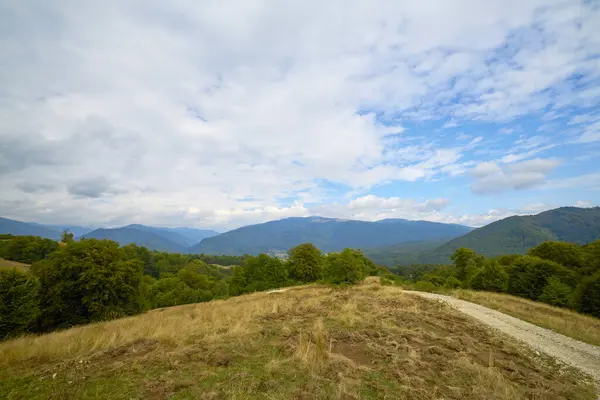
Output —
(93, 280)
(367, 342)
(518, 234)
(557, 273)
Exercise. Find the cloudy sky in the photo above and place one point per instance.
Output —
(219, 114)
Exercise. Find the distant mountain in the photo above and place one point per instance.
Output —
(19, 228)
(74, 229)
(128, 235)
(327, 234)
(516, 235)
(193, 234)
(185, 237)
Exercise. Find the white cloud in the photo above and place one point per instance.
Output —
(493, 178)
(207, 114)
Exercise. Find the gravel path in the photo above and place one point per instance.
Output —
(585, 357)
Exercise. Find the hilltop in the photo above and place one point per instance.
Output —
(367, 342)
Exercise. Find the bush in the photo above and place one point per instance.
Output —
(347, 266)
(556, 293)
(492, 278)
(305, 263)
(452, 283)
(529, 275)
(424, 286)
(27, 249)
(87, 281)
(19, 306)
(587, 296)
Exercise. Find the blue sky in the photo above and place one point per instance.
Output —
(200, 113)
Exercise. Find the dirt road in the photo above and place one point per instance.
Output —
(585, 357)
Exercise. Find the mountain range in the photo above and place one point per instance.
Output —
(328, 234)
(389, 242)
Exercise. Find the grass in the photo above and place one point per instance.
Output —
(360, 342)
(6, 264)
(566, 322)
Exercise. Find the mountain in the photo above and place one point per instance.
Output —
(194, 235)
(19, 228)
(128, 235)
(74, 229)
(185, 237)
(405, 253)
(516, 235)
(327, 234)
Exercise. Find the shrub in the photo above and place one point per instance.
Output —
(587, 296)
(556, 293)
(424, 286)
(492, 278)
(529, 275)
(87, 281)
(19, 306)
(305, 263)
(452, 283)
(347, 266)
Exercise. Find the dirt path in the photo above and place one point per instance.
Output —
(585, 357)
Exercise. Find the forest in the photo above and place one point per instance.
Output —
(75, 282)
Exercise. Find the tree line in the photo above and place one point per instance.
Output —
(557, 273)
(77, 282)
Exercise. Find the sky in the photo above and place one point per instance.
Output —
(219, 114)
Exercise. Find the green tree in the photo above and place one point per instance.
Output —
(556, 293)
(264, 272)
(348, 266)
(529, 275)
(27, 249)
(19, 302)
(591, 253)
(89, 280)
(568, 254)
(221, 290)
(492, 277)
(466, 261)
(587, 295)
(66, 236)
(305, 263)
(142, 253)
(238, 281)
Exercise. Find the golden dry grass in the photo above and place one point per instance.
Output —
(366, 341)
(566, 322)
(6, 264)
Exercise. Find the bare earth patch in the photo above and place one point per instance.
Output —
(361, 342)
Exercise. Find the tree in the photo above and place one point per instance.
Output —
(568, 254)
(238, 281)
(347, 266)
(89, 280)
(466, 261)
(305, 263)
(27, 249)
(264, 272)
(492, 278)
(142, 253)
(556, 293)
(19, 307)
(587, 295)
(529, 275)
(66, 236)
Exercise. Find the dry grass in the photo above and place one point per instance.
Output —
(6, 264)
(566, 322)
(366, 341)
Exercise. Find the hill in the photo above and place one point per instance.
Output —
(516, 235)
(360, 342)
(19, 228)
(402, 253)
(185, 237)
(327, 234)
(127, 235)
